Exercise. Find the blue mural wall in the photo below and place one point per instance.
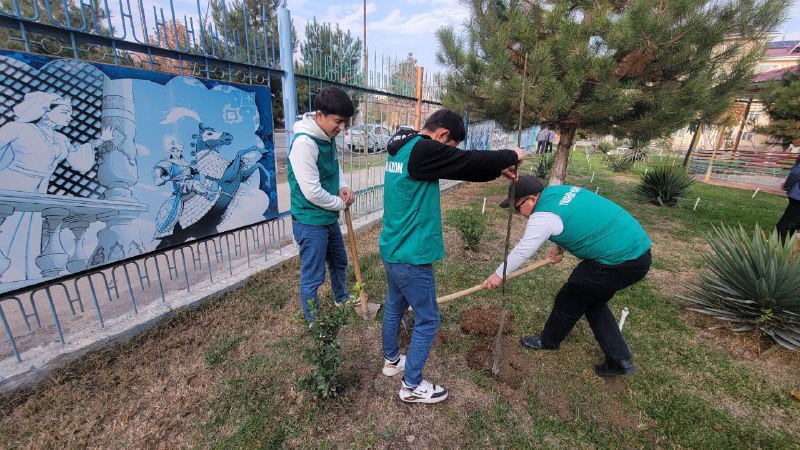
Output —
(102, 163)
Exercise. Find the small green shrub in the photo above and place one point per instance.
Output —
(545, 165)
(620, 163)
(751, 282)
(664, 185)
(470, 225)
(605, 147)
(324, 355)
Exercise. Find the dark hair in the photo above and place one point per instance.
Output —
(450, 121)
(333, 100)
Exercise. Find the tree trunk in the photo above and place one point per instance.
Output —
(559, 174)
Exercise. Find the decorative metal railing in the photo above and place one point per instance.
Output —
(213, 41)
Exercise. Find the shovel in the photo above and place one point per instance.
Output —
(367, 310)
(479, 287)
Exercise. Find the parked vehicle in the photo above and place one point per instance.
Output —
(377, 138)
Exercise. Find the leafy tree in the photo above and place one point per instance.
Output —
(262, 20)
(331, 54)
(169, 39)
(782, 102)
(638, 69)
(95, 19)
(402, 76)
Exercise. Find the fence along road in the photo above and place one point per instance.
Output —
(53, 323)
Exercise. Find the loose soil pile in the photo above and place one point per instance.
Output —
(485, 322)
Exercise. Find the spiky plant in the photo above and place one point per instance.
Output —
(753, 282)
(664, 185)
(637, 153)
(620, 163)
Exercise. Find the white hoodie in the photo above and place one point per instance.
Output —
(303, 156)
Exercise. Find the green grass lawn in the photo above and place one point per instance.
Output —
(222, 376)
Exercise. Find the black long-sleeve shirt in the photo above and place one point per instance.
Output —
(432, 160)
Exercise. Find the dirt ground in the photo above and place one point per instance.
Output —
(192, 381)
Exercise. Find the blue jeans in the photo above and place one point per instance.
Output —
(412, 285)
(320, 244)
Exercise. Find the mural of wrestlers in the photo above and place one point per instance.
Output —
(30, 150)
(186, 183)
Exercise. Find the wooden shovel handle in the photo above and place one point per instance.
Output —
(479, 287)
(351, 236)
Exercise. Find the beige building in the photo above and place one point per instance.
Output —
(779, 58)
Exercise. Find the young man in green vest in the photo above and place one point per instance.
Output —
(411, 239)
(615, 251)
(318, 193)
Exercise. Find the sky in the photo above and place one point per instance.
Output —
(397, 27)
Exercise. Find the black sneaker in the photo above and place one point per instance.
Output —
(535, 343)
(614, 367)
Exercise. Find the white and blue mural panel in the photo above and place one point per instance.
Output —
(102, 163)
(487, 135)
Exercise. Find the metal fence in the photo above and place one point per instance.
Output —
(220, 42)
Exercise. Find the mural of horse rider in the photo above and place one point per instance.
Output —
(201, 217)
(30, 150)
(186, 183)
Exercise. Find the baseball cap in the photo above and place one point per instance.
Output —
(526, 185)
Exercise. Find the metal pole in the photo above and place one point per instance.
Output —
(287, 64)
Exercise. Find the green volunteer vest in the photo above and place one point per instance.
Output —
(303, 210)
(412, 214)
(595, 228)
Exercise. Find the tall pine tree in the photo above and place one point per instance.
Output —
(638, 69)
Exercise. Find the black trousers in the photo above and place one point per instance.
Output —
(790, 221)
(587, 292)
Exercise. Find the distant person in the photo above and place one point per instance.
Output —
(541, 140)
(790, 220)
(411, 240)
(318, 192)
(551, 138)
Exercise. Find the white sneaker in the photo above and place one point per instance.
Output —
(424, 393)
(390, 369)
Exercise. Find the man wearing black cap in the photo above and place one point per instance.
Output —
(615, 251)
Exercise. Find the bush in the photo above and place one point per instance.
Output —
(545, 165)
(664, 185)
(324, 355)
(470, 225)
(620, 163)
(605, 147)
(751, 282)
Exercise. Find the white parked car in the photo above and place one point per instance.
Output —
(377, 138)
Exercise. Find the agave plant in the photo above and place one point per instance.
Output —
(664, 186)
(753, 282)
(636, 154)
(620, 164)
